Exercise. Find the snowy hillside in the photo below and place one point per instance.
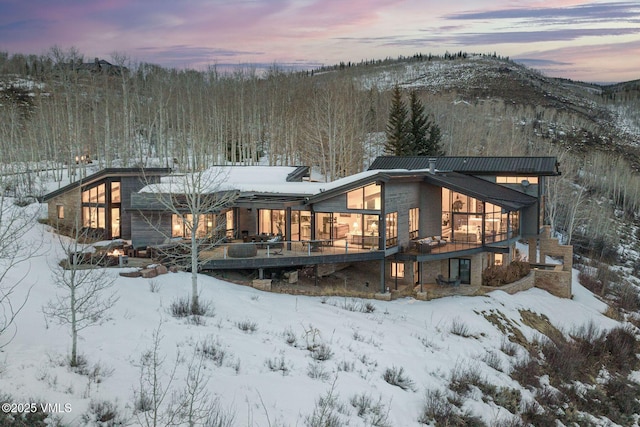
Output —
(269, 358)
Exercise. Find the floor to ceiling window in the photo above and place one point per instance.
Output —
(460, 267)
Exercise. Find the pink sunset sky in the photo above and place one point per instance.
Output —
(594, 41)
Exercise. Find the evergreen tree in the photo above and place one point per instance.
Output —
(409, 132)
(398, 139)
(424, 135)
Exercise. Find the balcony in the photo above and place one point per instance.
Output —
(238, 254)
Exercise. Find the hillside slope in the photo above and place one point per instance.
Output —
(273, 359)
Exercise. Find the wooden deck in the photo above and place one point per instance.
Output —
(289, 254)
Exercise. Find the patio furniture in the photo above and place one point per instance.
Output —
(275, 245)
(442, 281)
(242, 250)
(425, 245)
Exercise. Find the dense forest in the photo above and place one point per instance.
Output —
(59, 108)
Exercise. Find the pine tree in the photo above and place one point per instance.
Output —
(410, 133)
(424, 135)
(398, 139)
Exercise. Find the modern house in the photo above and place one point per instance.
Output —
(409, 218)
(100, 203)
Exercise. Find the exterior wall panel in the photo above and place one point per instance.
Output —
(430, 210)
(149, 229)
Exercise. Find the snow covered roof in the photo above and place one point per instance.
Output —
(251, 179)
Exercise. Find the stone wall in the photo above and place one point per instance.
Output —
(557, 282)
(521, 285)
(71, 203)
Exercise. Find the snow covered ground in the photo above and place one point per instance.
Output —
(265, 377)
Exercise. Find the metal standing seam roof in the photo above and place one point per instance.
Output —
(483, 190)
(473, 165)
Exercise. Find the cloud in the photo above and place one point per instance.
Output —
(539, 62)
(590, 12)
(492, 38)
(505, 37)
(195, 56)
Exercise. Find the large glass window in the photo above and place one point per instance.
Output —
(392, 229)
(229, 225)
(473, 221)
(516, 179)
(93, 216)
(414, 223)
(183, 226)
(97, 213)
(397, 269)
(300, 225)
(460, 267)
(115, 192)
(115, 222)
(271, 221)
(367, 198)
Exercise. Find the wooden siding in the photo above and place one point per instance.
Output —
(334, 204)
(130, 185)
(149, 229)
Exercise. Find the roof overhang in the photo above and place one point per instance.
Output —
(475, 165)
(481, 189)
(103, 174)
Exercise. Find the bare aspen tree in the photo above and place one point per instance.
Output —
(194, 198)
(160, 401)
(85, 291)
(14, 250)
(334, 129)
(153, 399)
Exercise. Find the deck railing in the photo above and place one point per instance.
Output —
(234, 250)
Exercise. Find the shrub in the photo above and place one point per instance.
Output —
(565, 360)
(182, 307)
(509, 348)
(627, 297)
(357, 305)
(317, 371)
(462, 379)
(498, 275)
(325, 412)
(290, 337)
(154, 286)
(527, 372)
(438, 410)
(321, 352)
(345, 366)
(397, 377)
(375, 414)
(103, 413)
(590, 281)
(247, 326)
(277, 365)
(622, 347)
(493, 360)
(458, 327)
(212, 350)
(532, 413)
